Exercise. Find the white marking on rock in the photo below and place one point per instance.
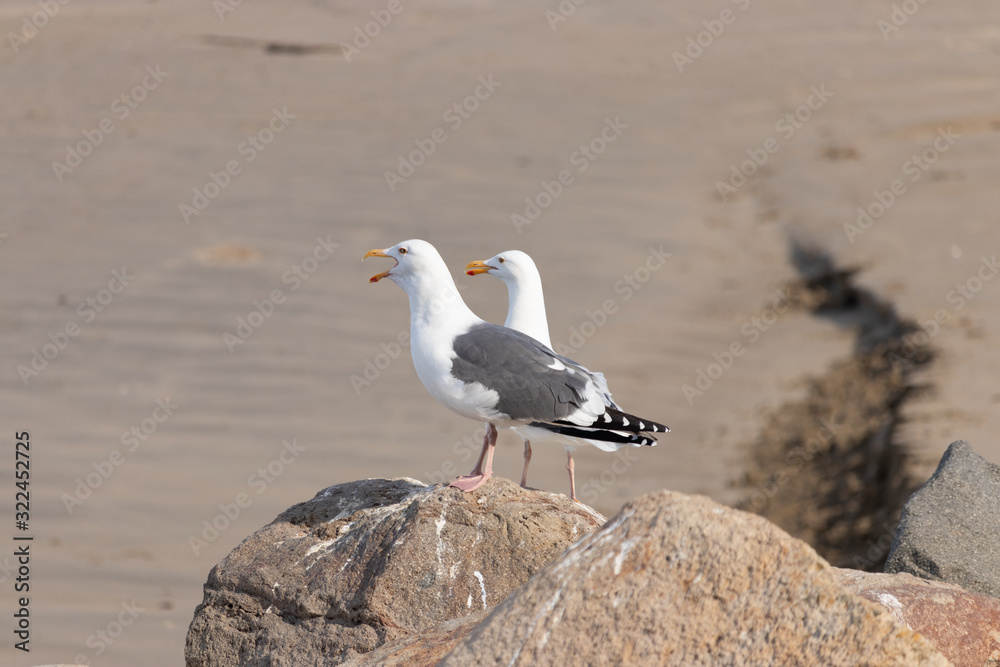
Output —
(892, 603)
(319, 545)
(620, 558)
(482, 585)
(440, 523)
(468, 603)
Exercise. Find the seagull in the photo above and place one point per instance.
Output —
(498, 375)
(526, 313)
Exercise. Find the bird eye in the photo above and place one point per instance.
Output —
(402, 251)
(502, 260)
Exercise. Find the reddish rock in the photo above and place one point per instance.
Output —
(964, 626)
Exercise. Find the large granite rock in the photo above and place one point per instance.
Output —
(949, 529)
(680, 580)
(963, 626)
(367, 563)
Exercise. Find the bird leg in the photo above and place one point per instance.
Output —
(482, 454)
(570, 466)
(484, 467)
(527, 460)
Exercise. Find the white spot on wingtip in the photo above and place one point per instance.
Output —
(624, 421)
(642, 427)
(607, 417)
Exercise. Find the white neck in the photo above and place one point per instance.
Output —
(436, 305)
(526, 310)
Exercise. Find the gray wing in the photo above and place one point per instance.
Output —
(533, 382)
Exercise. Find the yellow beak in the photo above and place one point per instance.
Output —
(477, 267)
(379, 253)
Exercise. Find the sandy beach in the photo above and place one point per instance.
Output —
(190, 337)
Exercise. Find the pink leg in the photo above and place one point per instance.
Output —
(527, 460)
(482, 453)
(572, 475)
(484, 468)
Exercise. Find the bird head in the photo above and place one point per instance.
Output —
(413, 258)
(507, 266)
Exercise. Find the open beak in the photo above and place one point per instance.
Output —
(379, 253)
(477, 267)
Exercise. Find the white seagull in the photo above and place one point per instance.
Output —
(526, 313)
(498, 375)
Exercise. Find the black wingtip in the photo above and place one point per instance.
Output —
(622, 421)
(597, 433)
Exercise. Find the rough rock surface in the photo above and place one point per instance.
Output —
(680, 580)
(963, 626)
(949, 529)
(369, 562)
(422, 649)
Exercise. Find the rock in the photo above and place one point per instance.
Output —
(680, 580)
(370, 562)
(949, 529)
(421, 649)
(963, 626)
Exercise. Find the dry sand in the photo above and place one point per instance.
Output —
(878, 101)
